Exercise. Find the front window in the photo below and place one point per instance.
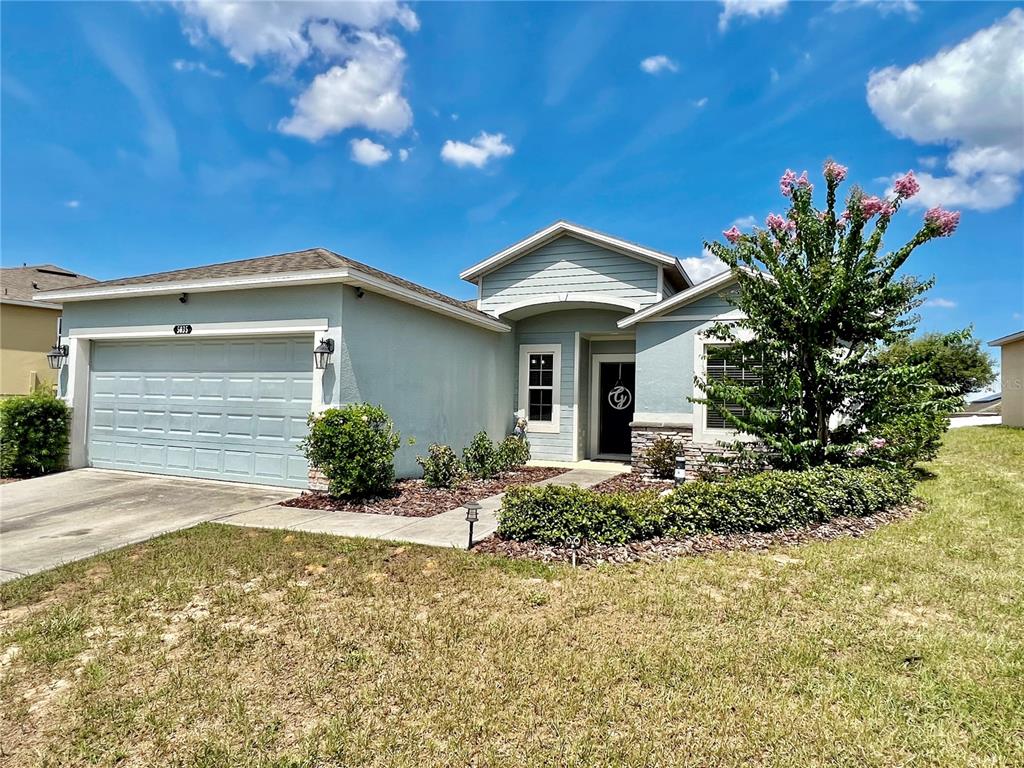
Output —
(719, 368)
(539, 369)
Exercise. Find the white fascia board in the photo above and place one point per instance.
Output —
(30, 303)
(277, 280)
(699, 291)
(364, 280)
(204, 285)
(233, 328)
(565, 228)
(1018, 336)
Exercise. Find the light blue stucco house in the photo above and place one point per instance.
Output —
(209, 371)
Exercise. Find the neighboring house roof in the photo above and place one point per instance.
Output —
(19, 284)
(560, 228)
(697, 292)
(314, 265)
(1018, 336)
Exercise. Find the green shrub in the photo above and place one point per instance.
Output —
(552, 513)
(909, 438)
(441, 467)
(480, 457)
(354, 446)
(661, 457)
(763, 502)
(513, 452)
(34, 435)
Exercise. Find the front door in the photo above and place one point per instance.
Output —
(616, 390)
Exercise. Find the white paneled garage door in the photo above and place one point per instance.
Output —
(225, 409)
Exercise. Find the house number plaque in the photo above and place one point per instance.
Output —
(182, 330)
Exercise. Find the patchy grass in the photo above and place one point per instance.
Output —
(221, 646)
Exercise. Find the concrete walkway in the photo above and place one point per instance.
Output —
(448, 529)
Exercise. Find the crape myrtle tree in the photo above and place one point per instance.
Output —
(820, 297)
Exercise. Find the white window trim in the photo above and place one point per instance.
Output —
(701, 433)
(595, 396)
(525, 350)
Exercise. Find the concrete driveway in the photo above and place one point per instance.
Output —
(68, 516)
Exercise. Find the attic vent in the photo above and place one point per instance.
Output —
(60, 272)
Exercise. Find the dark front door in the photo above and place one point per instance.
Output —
(617, 390)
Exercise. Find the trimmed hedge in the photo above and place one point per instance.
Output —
(763, 502)
(34, 435)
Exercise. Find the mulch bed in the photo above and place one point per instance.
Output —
(630, 482)
(657, 550)
(414, 499)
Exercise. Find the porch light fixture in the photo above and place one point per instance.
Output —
(57, 355)
(472, 515)
(322, 353)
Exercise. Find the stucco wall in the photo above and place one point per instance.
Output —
(26, 335)
(569, 265)
(1012, 377)
(441, 380)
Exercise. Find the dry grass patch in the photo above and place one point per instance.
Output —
(221, 646)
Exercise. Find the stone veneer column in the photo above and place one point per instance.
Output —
(696, 454)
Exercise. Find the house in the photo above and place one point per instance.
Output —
(210, 372)
(28, 329)
(1012, 374)
(986, 405)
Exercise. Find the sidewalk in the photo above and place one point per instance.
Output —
(448, 529)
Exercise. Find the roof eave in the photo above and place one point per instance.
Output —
(688, 296)
(1003, 340)
(347, 275)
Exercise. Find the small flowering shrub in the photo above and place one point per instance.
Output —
(819, 295)
(354, 446)
(34, 435)
(764, 502)
(442, 467)
(480, 457)
(513, 452)
(661, 458)
(903, 441)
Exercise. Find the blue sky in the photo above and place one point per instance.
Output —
(421, 138)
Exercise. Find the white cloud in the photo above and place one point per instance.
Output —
(652, 65)
(403, 154)
(701, 102)
(365, 91)
(773, 73)
(363, 85)
(286, 31)
(744, 222)
(700, 268)
(928, 161)
(967, 97)
(181, 65)
(754, 9)
(478, 152)
(940, 303)
(72, 203)
(367, 152)
(884, 7)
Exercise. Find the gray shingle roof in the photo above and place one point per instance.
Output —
(310, 260)
(21, 283)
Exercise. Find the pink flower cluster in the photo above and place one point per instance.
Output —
(906, 186)
(789, 180)
(835, 172)
(942, 220)
(871, 205)
(878, 442)
(779, 225)
(732, 234)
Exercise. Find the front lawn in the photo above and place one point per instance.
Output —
(222, 646)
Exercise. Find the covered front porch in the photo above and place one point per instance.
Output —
(576, 383)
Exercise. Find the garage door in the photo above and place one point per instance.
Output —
(221, 409)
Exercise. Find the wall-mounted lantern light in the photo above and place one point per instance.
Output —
(472, 515)
(56, 356)
(322, 353)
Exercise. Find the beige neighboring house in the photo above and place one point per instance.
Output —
(28, 329)
(1012, 349)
